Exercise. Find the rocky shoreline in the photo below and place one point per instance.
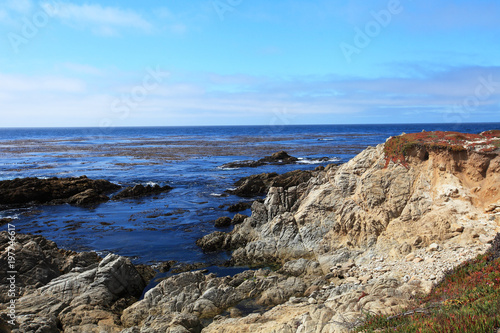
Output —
(80, 191)
(366, 236)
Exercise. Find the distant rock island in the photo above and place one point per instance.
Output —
(362, 237)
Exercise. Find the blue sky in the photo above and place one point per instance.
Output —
(238, 62)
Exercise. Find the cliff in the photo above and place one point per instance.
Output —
(405, 211)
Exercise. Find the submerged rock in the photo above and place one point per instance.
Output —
(141, 190)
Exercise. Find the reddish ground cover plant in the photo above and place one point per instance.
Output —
(466, 300)
(396, 148)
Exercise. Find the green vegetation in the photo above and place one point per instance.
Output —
(466, 300)
(397, 148)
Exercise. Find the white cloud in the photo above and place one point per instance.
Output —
(20, 6)
(466, 94)
(101, 20)
(82, 69)
(13, 84)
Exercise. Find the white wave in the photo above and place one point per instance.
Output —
(150, 183)
(12, 217)
(226, 169)
(317, 161)
(216, 194)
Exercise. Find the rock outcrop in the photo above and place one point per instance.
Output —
(181, 302)
(140, 191)
(37, 262)
(64, 291)
(260, 184)
(367, 208)
(77, 191)
(387, 228)
(278, 158)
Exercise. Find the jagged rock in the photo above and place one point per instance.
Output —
(37, 262)
(205, 296)
(222, 222)
(259, 184)
(280, 157)
(140, 191)
(363, 204)
(83, 300)
(238, 207)
(301, 267)
(52, 190)
(238, 218)
(87, 197)
(215, 241)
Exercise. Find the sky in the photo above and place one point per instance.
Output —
(248, 62)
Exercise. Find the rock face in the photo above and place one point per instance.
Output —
(280, 157)
(64, 291)
(259, 184)
(140, 191)
(385, 232)
(365, 206)
(178, 303)
(78, 191)
(38, 261)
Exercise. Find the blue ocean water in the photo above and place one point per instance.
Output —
(165, 227)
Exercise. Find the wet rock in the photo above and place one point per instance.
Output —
(238, 218)
(25, 191)
(87, 198)
(222, 222)
(185, 267)
(238, 207)
(140, 191)
(259, 184)
(5, 221)
(280, 157)
(216, 241)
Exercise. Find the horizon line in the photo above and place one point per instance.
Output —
(239, 125)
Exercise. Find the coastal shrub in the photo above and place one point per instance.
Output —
(466, 300)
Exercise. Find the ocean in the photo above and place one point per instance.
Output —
(165, 227)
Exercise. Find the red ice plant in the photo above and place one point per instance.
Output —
(397, 148)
